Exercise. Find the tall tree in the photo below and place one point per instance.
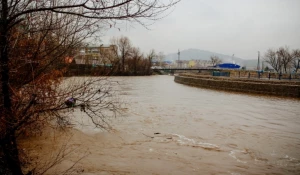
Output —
(286, 58)
(35, 35)
(151, 55)
(296, 59)
(136, 56)
(124, 49)
(272, 58)
(281, 59)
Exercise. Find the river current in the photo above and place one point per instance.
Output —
(170, 128)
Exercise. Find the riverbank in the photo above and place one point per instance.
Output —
(255, 86)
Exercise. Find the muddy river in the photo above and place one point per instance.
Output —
(170, 128)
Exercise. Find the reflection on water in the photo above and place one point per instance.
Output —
(171, 128)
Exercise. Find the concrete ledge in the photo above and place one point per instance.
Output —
(277, 88)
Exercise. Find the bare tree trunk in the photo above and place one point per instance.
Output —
(123, 60)
(4, 58)
(135, 65)
(11, 154)
(7, 142)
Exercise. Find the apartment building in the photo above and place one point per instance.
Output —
(103, 55)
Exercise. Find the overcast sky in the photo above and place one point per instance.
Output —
(240, 27)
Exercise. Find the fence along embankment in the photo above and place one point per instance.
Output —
(257, 86)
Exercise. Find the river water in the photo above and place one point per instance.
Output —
(170, 128)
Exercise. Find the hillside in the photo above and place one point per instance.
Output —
(197, 54)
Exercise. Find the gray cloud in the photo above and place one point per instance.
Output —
(240, 27)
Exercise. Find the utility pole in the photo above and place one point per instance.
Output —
(258, 61)
(179, 59)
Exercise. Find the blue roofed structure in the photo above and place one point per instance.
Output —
(228, 66)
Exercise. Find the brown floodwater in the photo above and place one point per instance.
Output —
(170, 128)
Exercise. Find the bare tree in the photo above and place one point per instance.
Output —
(124, 49)
(136, 56)
(286, 58)
(129, 59)
(35, 37)
(30, 62)
(296, 59)
(282, 59)
(215, 60)
(272, 58)
(150, 56)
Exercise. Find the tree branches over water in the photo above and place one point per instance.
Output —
(114, 10)
(36, 36)
(96, 97)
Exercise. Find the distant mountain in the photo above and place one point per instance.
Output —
(197, 54)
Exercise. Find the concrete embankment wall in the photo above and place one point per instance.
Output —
(278, 88)
(253, 74)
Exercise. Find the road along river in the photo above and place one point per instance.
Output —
(171, 128)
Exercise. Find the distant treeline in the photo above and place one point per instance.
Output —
(124, 60)
(91, 70)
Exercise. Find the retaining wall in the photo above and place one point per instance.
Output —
(277, 88)
(254, 74)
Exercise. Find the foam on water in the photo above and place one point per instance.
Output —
(233, 155)
(182, 140)
(288, 161)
